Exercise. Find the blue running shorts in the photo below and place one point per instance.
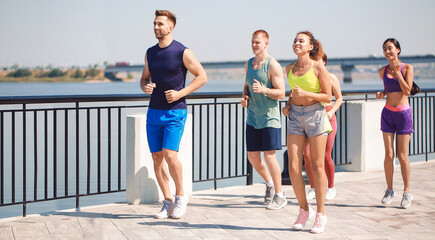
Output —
(165, 128)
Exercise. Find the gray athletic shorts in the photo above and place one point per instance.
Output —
(308, 121)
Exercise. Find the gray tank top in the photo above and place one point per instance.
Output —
(263, 111)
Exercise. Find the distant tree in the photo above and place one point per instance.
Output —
(92, 72)
(14, 67)
(56, 73)
(77, 74)
(21, 72)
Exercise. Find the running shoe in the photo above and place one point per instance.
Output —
(319, 223)
(311, 194)
(388, 197)
(268, 196)
(180, 207)
(303, 218)
(406, 200)
(330, 193)
(166, 210)
(277, 202)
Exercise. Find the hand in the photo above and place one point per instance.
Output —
(298, 92)
(172, 95)
(330, 115)
(380, 95)
(244, 101)
(257, 87)
(285, 110)
(149, 88)
(396, 66)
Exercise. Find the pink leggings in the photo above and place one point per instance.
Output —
(329, 164)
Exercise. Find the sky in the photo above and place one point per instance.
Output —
(68, 33)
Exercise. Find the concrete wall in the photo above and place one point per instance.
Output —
(142, 186)
(365, 142)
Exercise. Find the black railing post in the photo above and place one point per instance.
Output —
(77, 156)
(249, 173)
(24, 162)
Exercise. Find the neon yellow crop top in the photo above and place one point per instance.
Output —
(308, 82)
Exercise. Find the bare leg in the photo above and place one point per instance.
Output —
(259, 166)
(162, 175)
(318, 145)
(307, 158)
(389, 158)
(295, 148)
(402, 153)
(275, 170)
(175, 169)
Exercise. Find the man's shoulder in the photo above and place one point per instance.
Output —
(153, 48)
(178, 44)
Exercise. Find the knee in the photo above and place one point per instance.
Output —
(157, 158)
(317, 169)
(294, 169)
(402, 157)
(269, 156)
(170, 157)
(254, 159)
(389, 156)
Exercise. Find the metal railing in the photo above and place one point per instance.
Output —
(58, 147)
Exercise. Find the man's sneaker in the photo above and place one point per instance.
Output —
(311, 194)
(388, 197)
(319, 223)
(303, 218)
(268, 196)
(166, 210)
(406, 200)
(277, 202)
(330, 193)
(180, 207)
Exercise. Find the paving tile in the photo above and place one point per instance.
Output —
(239, 213)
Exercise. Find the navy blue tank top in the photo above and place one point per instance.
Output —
(167, 72)
(392, 84)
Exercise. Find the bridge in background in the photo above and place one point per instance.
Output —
(347, 64)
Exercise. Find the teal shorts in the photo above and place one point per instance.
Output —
(165, 128)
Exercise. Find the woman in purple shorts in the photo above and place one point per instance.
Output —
(396, 118)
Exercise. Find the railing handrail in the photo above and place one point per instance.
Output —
(140, 97)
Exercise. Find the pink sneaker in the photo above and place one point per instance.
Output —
(303, 218)
(319, 223)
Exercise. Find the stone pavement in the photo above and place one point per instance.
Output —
(238, 213)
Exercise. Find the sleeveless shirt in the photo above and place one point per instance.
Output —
(308, 82)
(167, 72)
(263, 111)
(392, 84)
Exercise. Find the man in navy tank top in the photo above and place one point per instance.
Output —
(164, 77)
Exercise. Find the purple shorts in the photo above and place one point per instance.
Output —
(397, 120)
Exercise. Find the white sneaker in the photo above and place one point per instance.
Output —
(166, 210)
(406, 200)
(330, 193)
(311, 194)
(277, 202)
(180, 207)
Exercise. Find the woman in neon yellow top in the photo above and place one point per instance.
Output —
(310, 86)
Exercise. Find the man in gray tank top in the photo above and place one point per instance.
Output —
(264, 86)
